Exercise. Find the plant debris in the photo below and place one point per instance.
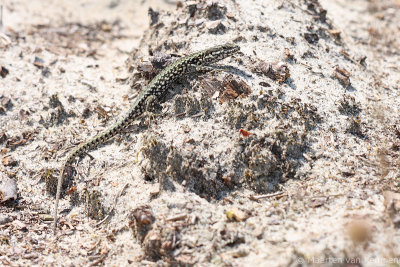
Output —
(343, 76)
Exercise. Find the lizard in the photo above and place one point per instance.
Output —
(154, 91)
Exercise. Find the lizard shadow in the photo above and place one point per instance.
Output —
(233, 70)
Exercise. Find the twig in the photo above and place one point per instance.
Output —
(198, 115)
(180, 114)
(177, 217)
(277, 194)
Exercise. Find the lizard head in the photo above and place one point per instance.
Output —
(220, 52)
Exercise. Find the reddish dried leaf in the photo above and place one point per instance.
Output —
(71, 190)
(244, 133)
(228, 94)
(234, 89)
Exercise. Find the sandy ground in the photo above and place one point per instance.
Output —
(289, 158)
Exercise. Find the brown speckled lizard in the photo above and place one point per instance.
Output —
(154, 91)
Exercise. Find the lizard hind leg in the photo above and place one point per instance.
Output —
(149, 104)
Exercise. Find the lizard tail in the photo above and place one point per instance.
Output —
(59, 184)
(60, 181)
(81, 149)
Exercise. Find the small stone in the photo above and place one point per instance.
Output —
(215, 26)
(38, 62)
(8, 188)
(240, 253)
(235, 214)
(258, 232)
(230, 15)
(6, 102)
(155, 189)
(19, 225)
(317, 202)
